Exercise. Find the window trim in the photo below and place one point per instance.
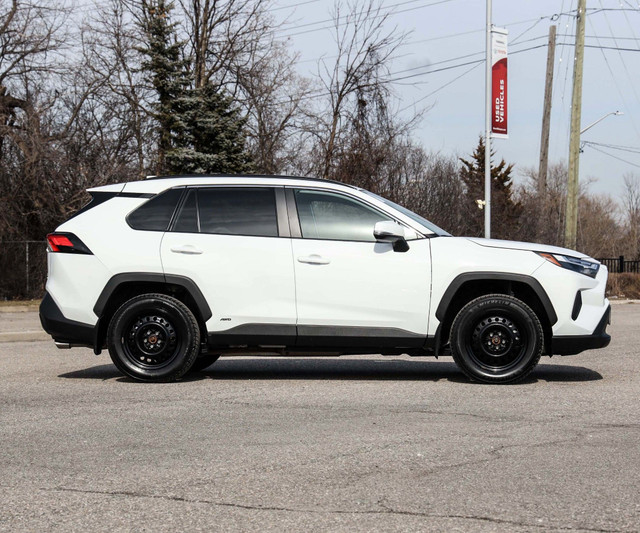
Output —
(282, 226)
(293, 213)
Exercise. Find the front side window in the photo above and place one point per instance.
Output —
(332, 216)
(230, 211)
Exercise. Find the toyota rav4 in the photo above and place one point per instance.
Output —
(170, 273)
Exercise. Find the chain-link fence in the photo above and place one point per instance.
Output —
(23, 269)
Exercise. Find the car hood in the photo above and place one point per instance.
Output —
(534, 247)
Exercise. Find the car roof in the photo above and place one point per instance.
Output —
(156, 184)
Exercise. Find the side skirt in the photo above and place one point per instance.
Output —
(283, 339)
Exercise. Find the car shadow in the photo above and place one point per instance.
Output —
(264, 368)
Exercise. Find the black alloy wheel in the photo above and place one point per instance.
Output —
(496, 339)
(153, 337)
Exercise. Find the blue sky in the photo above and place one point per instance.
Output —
(452, 28)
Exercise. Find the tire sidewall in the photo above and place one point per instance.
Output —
(508, 307)
(181, 319)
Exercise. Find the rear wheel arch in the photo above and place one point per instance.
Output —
(469, 286)
(123, 287)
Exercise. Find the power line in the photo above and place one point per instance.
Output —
(292, 6)
(388, 11)
(624, 64)
(630, 149)
(615, 82)
(441, 87)
(614, 156)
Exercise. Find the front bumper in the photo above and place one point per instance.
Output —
(61, 328)
(574, 344)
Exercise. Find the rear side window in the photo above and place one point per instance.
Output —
(187, 221)
(230, 211)
(155, 214)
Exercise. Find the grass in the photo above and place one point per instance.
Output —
(624, 286)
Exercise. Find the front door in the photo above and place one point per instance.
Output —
(350, 289)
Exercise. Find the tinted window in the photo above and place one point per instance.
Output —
(238, 211)
(155, 214)
(187, 221)
(325, 215)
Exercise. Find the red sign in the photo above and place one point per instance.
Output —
(499, 82)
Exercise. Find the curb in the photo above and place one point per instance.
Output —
(19, 308)
(24, 336)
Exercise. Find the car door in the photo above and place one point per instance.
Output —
(231, 242)
(351, 289)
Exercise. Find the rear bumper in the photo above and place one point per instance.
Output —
(61, 328)
(574, 344)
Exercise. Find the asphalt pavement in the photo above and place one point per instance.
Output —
(364, 443)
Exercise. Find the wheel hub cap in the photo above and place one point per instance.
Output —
(496, 338)
(151, 339)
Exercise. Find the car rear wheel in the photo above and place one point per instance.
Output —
(153, 337)
(496, 339)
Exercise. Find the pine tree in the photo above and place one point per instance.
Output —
(169, 72)
(199, 129)
(210, 137)
(504, 211)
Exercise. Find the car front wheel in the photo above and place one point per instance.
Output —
(496, 339)
(153, 337)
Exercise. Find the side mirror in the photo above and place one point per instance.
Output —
(388, 231)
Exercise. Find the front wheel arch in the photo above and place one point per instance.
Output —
(471, 285)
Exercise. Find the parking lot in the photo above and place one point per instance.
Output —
(363, 443)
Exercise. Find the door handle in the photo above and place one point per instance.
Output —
(187, 249)
(314, 259)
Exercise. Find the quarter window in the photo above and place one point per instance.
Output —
(331, 216)
(156, 214)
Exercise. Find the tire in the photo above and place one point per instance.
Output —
(153, 337)
(204, 361)
(496, 339)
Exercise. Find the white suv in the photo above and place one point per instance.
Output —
(170, 273)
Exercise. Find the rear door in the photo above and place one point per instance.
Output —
(231, 242)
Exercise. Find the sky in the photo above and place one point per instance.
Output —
(443, 30)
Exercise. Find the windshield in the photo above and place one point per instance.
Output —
(413, 216)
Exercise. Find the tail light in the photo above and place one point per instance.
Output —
(67, 243)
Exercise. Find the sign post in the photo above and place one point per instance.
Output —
(495, 104)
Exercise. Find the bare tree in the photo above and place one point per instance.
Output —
(276, 99)
(631, 208)
(364, 49)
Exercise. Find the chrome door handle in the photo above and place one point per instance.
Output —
(187, 249)
(314, 259)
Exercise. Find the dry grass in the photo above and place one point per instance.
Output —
(624, 286)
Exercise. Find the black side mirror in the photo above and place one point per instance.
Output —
(388, 231)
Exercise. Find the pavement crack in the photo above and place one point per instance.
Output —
(384, 510)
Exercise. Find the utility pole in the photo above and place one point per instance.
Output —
(487, 137)
(546, 115)
(571, 221)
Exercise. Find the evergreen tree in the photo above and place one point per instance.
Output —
(210, 136)
(169, 72)
(504, 211)
(199, 129)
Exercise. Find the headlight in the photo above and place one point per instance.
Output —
(582, 266)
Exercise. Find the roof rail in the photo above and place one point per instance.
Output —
(244, 176)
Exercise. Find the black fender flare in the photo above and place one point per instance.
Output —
(182, 281)
(530, 281)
